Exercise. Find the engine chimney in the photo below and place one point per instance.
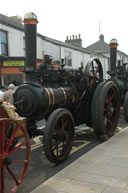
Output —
(30, 29)
(113, 55)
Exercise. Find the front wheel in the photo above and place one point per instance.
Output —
(58, 135)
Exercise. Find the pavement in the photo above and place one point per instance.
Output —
(104, 169)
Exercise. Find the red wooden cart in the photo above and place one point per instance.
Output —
(13, 137)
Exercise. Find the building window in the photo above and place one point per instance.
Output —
(3, 43)
(68, 58)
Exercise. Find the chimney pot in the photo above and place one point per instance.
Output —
(101, 37)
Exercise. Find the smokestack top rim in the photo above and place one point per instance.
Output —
(30, 18)
(113, 42)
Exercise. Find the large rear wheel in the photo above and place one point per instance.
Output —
(105, 109)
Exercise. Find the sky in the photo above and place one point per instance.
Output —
(90, 18)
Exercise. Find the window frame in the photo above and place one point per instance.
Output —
(68, 58)
(5, 44)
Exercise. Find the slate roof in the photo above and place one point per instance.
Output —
(14, 22)
(65, 44)
(101, 47)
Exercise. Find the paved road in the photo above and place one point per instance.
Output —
(41, 169)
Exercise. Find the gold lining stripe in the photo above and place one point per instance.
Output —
(53, 96)
(65, 98)
(49, 97)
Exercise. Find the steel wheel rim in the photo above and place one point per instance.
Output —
(6, 152)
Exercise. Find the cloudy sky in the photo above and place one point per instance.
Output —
(90, 18)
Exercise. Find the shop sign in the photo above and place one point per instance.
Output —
(13, 63)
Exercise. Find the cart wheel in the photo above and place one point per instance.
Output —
(126, 107)
(59, 135)
(105, 110)
(12, 168)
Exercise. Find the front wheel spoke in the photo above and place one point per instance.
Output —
(55, 149)
(56, 145)
(62, 145)
(59, 147)
(11, 139)
(17, 147)
(13, 175)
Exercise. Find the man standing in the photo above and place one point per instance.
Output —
(1, 93)
(8, 95)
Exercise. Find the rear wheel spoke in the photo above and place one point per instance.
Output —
(11, 139)
(13, 175)
(17, 148)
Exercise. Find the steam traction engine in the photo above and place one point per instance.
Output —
(65, 98)
(119, 75)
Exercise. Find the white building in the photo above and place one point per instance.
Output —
(12, 44)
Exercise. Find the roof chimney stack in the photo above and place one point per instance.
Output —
(75, 40)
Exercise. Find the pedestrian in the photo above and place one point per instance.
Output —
(8, 95)
(1, 92)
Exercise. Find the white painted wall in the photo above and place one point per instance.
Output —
(48, 48)
(15, 41)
